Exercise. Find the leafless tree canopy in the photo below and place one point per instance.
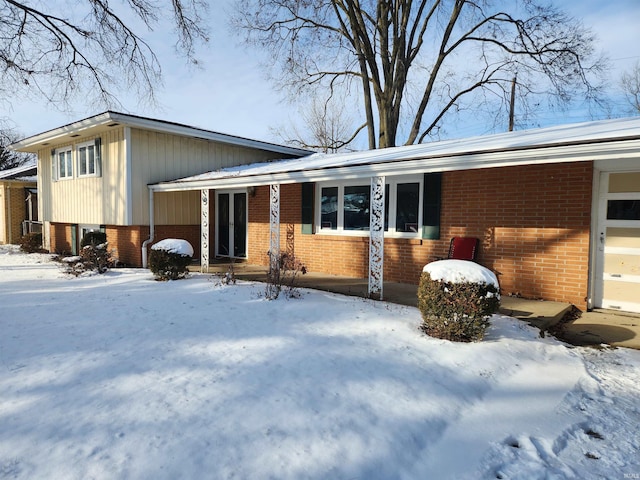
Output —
(58, 48)
(415, 62)
(9, 158)
(630, 83)
(329, 127)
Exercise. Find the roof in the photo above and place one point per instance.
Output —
(26, 173)
(596, 140)
(106, 120)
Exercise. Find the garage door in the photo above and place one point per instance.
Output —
(620, 242)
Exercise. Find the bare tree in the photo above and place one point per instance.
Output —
(9, 158)
(416, 62)
(57, 49)
(630, 82)
(325, 127)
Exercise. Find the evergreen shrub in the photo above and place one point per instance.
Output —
(168, 264)
(93, 238)
(31, 243)
(456, 311)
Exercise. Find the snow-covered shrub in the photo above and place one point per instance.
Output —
(288, 267)
(170, 258)
(93, 258)
(31, 243)
(456, 299)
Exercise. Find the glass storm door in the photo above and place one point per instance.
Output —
(231, 224)
(618, 282)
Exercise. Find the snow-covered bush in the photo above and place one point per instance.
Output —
(93, 258)
(31, 243)
(170, 258)
(456, 299)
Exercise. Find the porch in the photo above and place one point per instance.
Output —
(597, 327)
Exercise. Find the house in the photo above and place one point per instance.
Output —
(93, 175)
(18, 202)
(557, 211)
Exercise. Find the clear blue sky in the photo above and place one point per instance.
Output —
(231, 94)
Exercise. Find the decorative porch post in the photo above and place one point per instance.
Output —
(274, 227)
(376, 238)
(204, 231)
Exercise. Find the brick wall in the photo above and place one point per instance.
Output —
(127, 241)
(533, 223)
(12, 200)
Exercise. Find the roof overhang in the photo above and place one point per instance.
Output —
(313, 169)
(103, 122)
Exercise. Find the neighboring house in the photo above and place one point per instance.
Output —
(557, 211)
(93, 175)
(18, 202)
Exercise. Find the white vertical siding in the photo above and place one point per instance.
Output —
(90, 200)
(157, 157)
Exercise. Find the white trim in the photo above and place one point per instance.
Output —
(101, 121)
(392, 182)
(127, 175)
(65, 149)
(96, 169)
(231, 194)
(599, 226)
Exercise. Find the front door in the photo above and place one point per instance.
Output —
(618, 254)
(231, 223)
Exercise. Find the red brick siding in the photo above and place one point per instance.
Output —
(127, 241)
(533, 222)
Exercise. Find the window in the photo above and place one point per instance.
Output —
(63, 163)
(88, 157)
(329, 208)
(346, 207)
(356, 207)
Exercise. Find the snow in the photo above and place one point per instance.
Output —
(174, 245)
(437, 153)
(117, 376)
(460, 271)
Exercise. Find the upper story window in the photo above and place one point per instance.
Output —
(87, 159)
(345, 207)
(63, 163)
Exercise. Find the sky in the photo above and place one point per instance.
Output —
(231, 94)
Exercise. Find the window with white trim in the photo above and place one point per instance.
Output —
(88, 159)
(63, 163)
(344, 207)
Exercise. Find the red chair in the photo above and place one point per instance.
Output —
(463, 248)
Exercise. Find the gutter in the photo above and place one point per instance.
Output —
(146, 243)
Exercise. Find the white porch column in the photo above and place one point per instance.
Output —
(376, 238)
(274, 226)
(204, 231)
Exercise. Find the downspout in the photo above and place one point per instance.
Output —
(151, 230)
(9, 216)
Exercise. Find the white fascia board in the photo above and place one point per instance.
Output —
(186, 130)
(50, 136)
(600, 152)
(107, 118)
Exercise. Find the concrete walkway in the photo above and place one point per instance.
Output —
(589, 328)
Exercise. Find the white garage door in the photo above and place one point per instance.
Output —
(619, 237)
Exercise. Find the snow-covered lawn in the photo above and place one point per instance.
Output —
(117, 376)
